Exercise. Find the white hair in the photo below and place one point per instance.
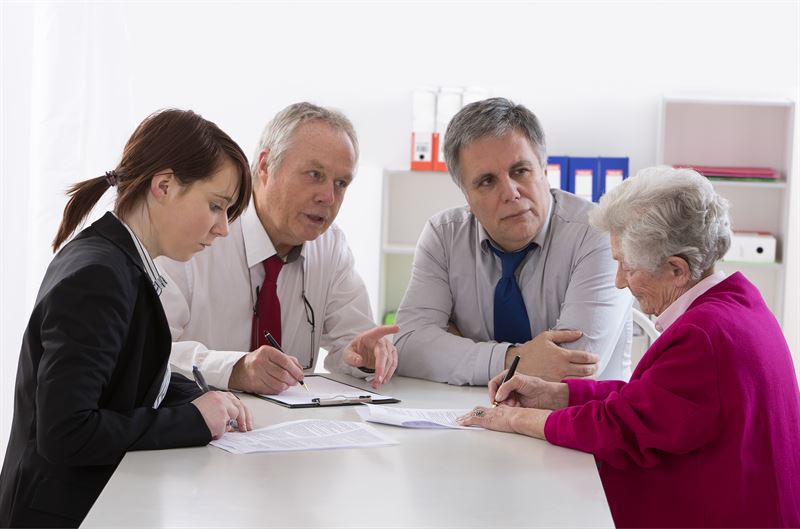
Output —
(278, 132)
(663, 212)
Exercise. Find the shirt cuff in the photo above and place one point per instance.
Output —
(216, 366)
(495, 363)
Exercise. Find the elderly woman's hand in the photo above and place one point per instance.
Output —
(527, 421)
(528, 392)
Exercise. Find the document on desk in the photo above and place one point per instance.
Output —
(323, 391)
(414, 417)
(309, 434)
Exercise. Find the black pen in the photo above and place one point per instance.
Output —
(274, 343)
(200, 380)
(508, 376)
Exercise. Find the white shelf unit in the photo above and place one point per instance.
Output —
(739, 133)
(410, 198)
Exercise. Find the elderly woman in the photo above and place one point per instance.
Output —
(707, 431)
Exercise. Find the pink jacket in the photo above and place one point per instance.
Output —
(707, 431)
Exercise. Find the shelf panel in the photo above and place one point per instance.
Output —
(415, 197)
(397, 269)
(771, 186)
(767, 277)
(727, 133)
(755, 209)
(399, 249)
(748, 264)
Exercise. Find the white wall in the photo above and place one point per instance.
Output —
(594, 73)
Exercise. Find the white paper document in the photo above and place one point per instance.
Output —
(413, 417)
(309, 434)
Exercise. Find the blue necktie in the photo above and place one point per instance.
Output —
(511, 322)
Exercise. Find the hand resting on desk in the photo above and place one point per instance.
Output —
(525, 403)
(218, 408)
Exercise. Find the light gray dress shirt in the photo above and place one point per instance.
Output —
(209, 300)
(567, 282)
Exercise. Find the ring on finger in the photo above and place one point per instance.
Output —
(478, 412)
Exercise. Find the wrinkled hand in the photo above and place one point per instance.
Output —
(372, 350)
(219, 408)
(544, 358)
(528, 392)
(527, 421)
(265, 371)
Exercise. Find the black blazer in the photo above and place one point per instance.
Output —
(91, 366)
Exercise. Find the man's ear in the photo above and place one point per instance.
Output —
(679, 269)
(262, 171)
(163, 185)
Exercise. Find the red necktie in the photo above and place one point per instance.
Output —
(268, 313)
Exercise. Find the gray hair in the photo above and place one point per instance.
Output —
(277, 134)
(491, 117)
(662, 212)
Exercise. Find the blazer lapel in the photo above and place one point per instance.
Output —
(109, 227)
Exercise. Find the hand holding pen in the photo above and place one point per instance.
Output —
(222, 411)
(509, 375)
(265, 371)
(528, 391)
(274, 343)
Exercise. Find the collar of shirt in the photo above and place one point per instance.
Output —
(258, 246)
(539, 238)
(681, 305)
(150, 268)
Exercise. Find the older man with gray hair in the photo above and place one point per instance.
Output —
(516, 272)
(253, 310)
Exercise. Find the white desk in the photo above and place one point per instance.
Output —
(432, 478)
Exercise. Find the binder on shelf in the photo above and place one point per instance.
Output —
(752, 247)
(422, 128)
(448, 103)
(612, 171)
(421, 151)
(582, 177)
(558, 172)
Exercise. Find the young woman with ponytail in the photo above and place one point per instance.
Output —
(93, 380)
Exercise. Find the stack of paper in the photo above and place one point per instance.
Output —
(413, 417)
(310, 434)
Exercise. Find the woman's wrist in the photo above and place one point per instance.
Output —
(530, 422)
(559, 396)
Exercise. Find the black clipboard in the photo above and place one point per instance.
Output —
(364, 396)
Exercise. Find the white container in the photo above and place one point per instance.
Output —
(752, 247)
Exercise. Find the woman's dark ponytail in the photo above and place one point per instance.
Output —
(82, 198)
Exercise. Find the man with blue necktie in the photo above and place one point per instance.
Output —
(518, 271)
